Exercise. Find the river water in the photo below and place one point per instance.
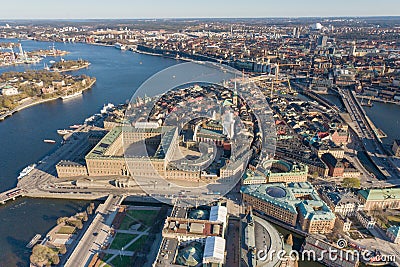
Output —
(385, 116)
(119, 74)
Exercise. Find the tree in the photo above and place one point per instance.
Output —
(89, 210)
(61, 220)
(85, 216)
(54, 259)
(7, 103)
(75, 223)
(62, 249)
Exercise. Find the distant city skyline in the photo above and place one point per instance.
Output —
(125, 9)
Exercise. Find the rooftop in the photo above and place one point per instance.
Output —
(296, 196)
(380, 194)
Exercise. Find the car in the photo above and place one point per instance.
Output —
(95, 234)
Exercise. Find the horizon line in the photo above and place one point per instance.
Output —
(172, 18)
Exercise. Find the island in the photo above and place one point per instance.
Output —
(69, 65)
(20, 90)
(9, 56)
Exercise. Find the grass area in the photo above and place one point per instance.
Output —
(121, 240)
(122, 261)
(126, 223)
(66, 230)
(106, 257)
(145, 217)
(138, 243)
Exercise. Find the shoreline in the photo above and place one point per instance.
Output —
(379, 100)
(37, 102)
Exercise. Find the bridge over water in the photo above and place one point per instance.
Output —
(12, 194)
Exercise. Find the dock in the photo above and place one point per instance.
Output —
(11, 194)
(33, 241)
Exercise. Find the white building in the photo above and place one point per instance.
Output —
(219, 214)
(214, 250)
(9, 90)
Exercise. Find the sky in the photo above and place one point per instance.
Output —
(91, 9)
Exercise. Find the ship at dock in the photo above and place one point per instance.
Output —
(64, 132)
(120, 46)
(368, 104)
(26, 170)
(66, 97)
(75, 126)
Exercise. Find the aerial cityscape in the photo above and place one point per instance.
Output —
(241, 135)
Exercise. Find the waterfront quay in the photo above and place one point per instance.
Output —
(43, 182)
(369, 138)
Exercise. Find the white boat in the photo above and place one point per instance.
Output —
(90, 119)
(106, 108)
(26, 170)
(75, 126)
(52, 62)
(120, 46)
(50, 141)
(64, 131)
(66, 97)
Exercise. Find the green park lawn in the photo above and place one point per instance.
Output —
(145, 217)
(122, 261)
(121, 240)
(138, 243)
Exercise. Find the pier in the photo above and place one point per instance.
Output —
(11, 194)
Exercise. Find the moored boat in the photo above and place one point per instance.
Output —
(64, 131)
(66, 97)
(26, 170)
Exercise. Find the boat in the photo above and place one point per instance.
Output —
(33, 241)
(26, 170)
(75, 126)
(120, 46)
(90, 119)
(66, 97)
(106, 108)
(64, 131)
(49, 141)
(52, 62)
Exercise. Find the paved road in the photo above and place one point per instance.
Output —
(93, 239)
